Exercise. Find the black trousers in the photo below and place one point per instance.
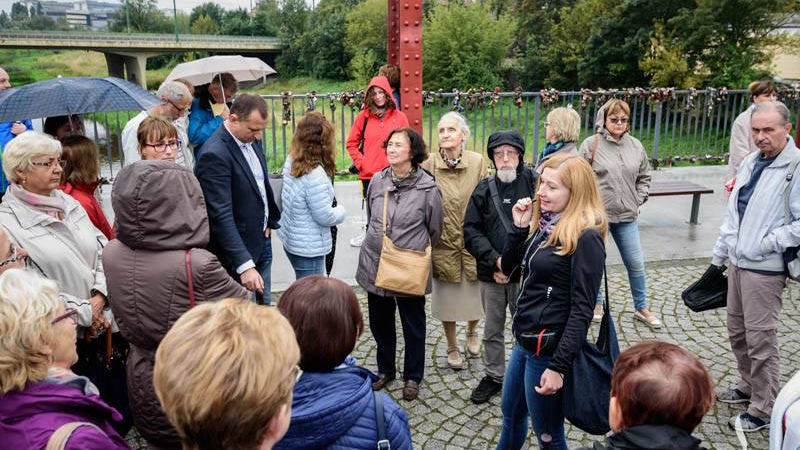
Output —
(381, 323)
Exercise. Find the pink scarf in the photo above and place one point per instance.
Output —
(51, 205)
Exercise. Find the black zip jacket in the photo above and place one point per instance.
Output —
(649, 437)
(484, 235)
(547, 281)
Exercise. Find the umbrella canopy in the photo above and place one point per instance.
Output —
(68, 95)
(202, 71)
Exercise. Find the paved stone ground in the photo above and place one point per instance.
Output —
(444, 418)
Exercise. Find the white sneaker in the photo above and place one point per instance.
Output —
(358, 240)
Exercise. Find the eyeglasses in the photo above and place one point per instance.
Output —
(162, 146)
(618, 120)
(13, 258)
(507, 153)
(51, 163)
(71, 313)
(180, 110)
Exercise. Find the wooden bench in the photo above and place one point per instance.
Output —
(664, 188)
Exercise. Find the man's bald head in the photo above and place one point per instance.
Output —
(4, 82)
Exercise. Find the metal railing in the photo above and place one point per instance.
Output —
(671, 124)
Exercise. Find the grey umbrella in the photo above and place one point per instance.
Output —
(79, 95)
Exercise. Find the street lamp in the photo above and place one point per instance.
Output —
(175, 17)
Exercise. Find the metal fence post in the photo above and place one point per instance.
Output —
(657, 133)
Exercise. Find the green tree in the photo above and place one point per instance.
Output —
(267, 18)
(465, 46)
(237, 22)
(666, 64)
(731, 38)
(293, 21)
(208, 9)
(321, 51)
(620, 41)
(19, 12)
(5, 21)
(366, 34)
(204, 25)
(144, 18)
(363, 67)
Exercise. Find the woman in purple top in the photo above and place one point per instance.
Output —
(39, 395)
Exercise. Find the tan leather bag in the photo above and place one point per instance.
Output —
(399, 269)
(58, 440)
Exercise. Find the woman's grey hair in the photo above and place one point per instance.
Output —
(175, 91)
(21, 150)
(782, 110)
(462, 124)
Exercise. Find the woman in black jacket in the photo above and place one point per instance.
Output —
(562, 265)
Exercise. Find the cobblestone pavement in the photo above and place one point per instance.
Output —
(444, 418)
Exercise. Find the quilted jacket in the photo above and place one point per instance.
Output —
(336, 411)
(307, 215)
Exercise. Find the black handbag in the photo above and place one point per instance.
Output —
(709, 292)
(587, 387)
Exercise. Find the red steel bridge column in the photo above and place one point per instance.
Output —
(404, 49)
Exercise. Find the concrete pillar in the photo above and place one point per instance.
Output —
(131, 67)
(135, 68)
(116, 67)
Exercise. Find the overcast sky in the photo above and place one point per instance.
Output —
(185, 5)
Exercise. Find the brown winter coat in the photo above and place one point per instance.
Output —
(457, 184)
(414, 216)
(160, 214)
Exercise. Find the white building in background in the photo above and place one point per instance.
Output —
(786, 61)
(92, 14)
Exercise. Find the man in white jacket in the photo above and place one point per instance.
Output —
(753, 237)
(176, 101)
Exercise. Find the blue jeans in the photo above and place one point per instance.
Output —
(626, 236)
(519, 401)
(305, 266)
(264, 267)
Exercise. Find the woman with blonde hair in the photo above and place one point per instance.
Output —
(562, 129)
(41, 399)
(456, 291)
(158, 139)
(623, 175)
(559, 242)
(307, 196)
(81, 178)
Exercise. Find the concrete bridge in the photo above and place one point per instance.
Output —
(126, 54)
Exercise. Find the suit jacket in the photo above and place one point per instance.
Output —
(234, 204)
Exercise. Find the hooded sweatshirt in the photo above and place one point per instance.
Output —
(336, 410)
(373, 160)
(29, 417)
(160, 216)
(622, 170)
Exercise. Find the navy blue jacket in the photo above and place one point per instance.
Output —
(235, 207)
(336, 411)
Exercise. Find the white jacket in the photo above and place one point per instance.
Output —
(759, 239)
(784, 431)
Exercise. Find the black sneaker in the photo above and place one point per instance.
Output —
(485, 390)
(733, 397)
(748, 422)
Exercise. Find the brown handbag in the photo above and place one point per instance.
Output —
(399, 269)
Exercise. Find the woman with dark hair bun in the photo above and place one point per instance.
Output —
(333, 406)
(414, 221)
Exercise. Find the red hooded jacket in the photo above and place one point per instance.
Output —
(378, 128)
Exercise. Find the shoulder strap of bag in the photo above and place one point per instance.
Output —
(385, 207)
(594, 150)
(787, 189)
(189, 278)
(361, 141)
(58, 440)
(383, 443)
(497, 205)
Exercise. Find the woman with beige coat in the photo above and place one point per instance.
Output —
(456, 292)
(621, 166)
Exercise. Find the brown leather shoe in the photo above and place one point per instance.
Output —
(410, 390)
(383, 380)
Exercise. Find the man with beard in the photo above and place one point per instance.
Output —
(487, 222)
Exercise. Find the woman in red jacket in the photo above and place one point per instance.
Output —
(80, 178)
(370, 130)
